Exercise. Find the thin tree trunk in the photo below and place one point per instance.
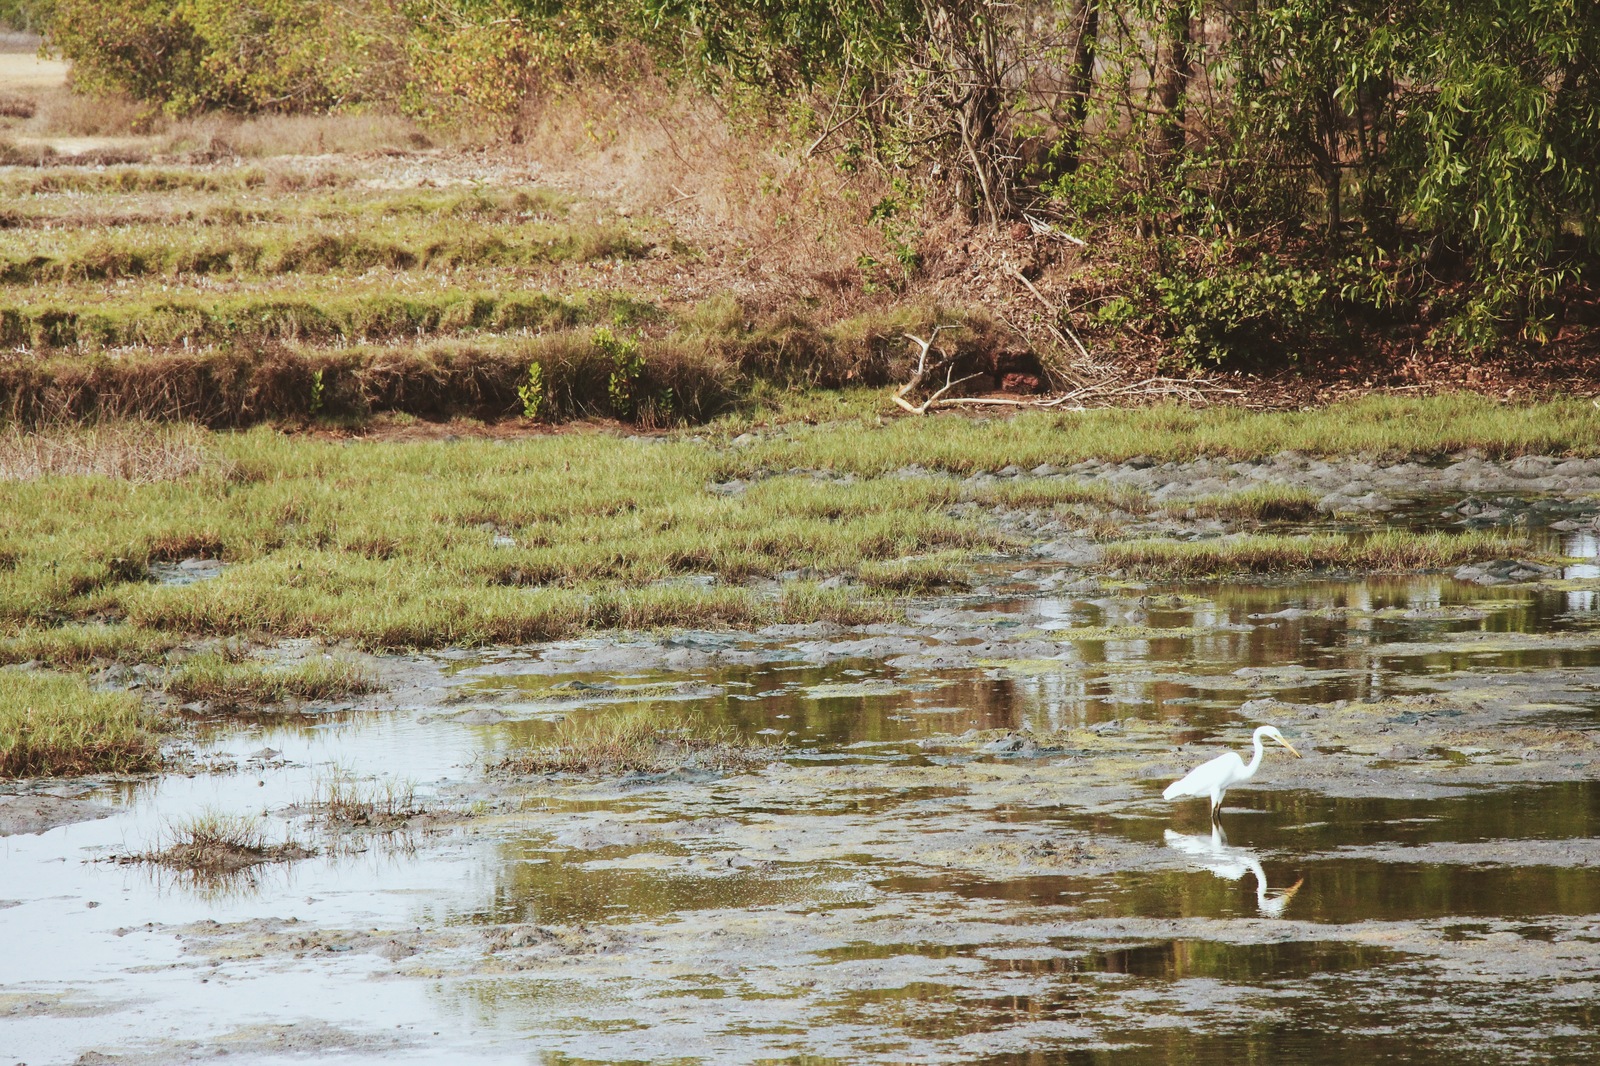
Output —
(1080, 81)
(1173, 85)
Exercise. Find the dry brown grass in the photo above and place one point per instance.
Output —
(739, 183)
(258, 136)
(65, 119)
(140, 452)
(63, 113)
(344, 803)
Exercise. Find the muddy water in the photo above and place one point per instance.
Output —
(962, 855)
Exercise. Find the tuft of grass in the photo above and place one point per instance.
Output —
(915, 576)
(53, 726)
(346, 803)
(227, 683)
(1385, 550)
(1051, 492)
(214, 845)
(636, 741)
(1264, 503)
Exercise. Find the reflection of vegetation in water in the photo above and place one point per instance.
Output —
(637, 741)
(536, 881)
(1191, 662)
(841, 703)
(1243, 963)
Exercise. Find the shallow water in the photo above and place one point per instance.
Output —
(893, 891)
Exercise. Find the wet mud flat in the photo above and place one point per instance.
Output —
(960, 855)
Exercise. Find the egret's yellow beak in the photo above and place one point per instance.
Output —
(1288, 745)
(1289, 892)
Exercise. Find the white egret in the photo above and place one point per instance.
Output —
(1213, 779)
(1230, 864)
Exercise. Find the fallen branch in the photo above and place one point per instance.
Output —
(1041, 228)
(950, 381)
(1104, 393)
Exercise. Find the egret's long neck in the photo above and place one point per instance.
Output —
(1255, 760)
(1261, 881)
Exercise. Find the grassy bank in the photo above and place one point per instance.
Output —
(1377, 426)
(649, 741)
(53, 725)
(1390, 550)
(224, 682)
(505, 541)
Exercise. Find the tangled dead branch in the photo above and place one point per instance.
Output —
(1107, 392)
(922, 371)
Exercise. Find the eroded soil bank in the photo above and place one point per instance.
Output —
(961, 854)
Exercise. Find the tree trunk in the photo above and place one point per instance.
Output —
(1080, 83)
(1173, 83)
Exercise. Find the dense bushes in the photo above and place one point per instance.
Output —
(1386, 165)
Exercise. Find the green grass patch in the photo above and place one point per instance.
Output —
(1384, 551)
(257, 249)
(915, 576)
(225, 682)
(82, 644)
(1264, 503)
(1374, 425)
(636, 741)
(53, 725)
(299, 316)
(392, 545)
(398, 545)
(139, 179)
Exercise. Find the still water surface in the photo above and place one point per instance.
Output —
(1320, 927)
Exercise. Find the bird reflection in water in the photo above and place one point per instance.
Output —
(1230, 864)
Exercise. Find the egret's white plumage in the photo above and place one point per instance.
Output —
(1213, 779)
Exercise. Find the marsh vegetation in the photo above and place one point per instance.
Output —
(637, 742)
(55, 725)
(478, 491)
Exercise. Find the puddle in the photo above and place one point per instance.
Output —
(187, 572)
(897, 887)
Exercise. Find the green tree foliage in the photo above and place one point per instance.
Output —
(26, 15)
(1337, 159)
(266, 55)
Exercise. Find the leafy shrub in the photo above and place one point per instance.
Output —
(531, 391)
(627, 368)
(1227, 310)
(189, 55)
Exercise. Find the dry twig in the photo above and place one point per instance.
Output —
(1053, 323)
